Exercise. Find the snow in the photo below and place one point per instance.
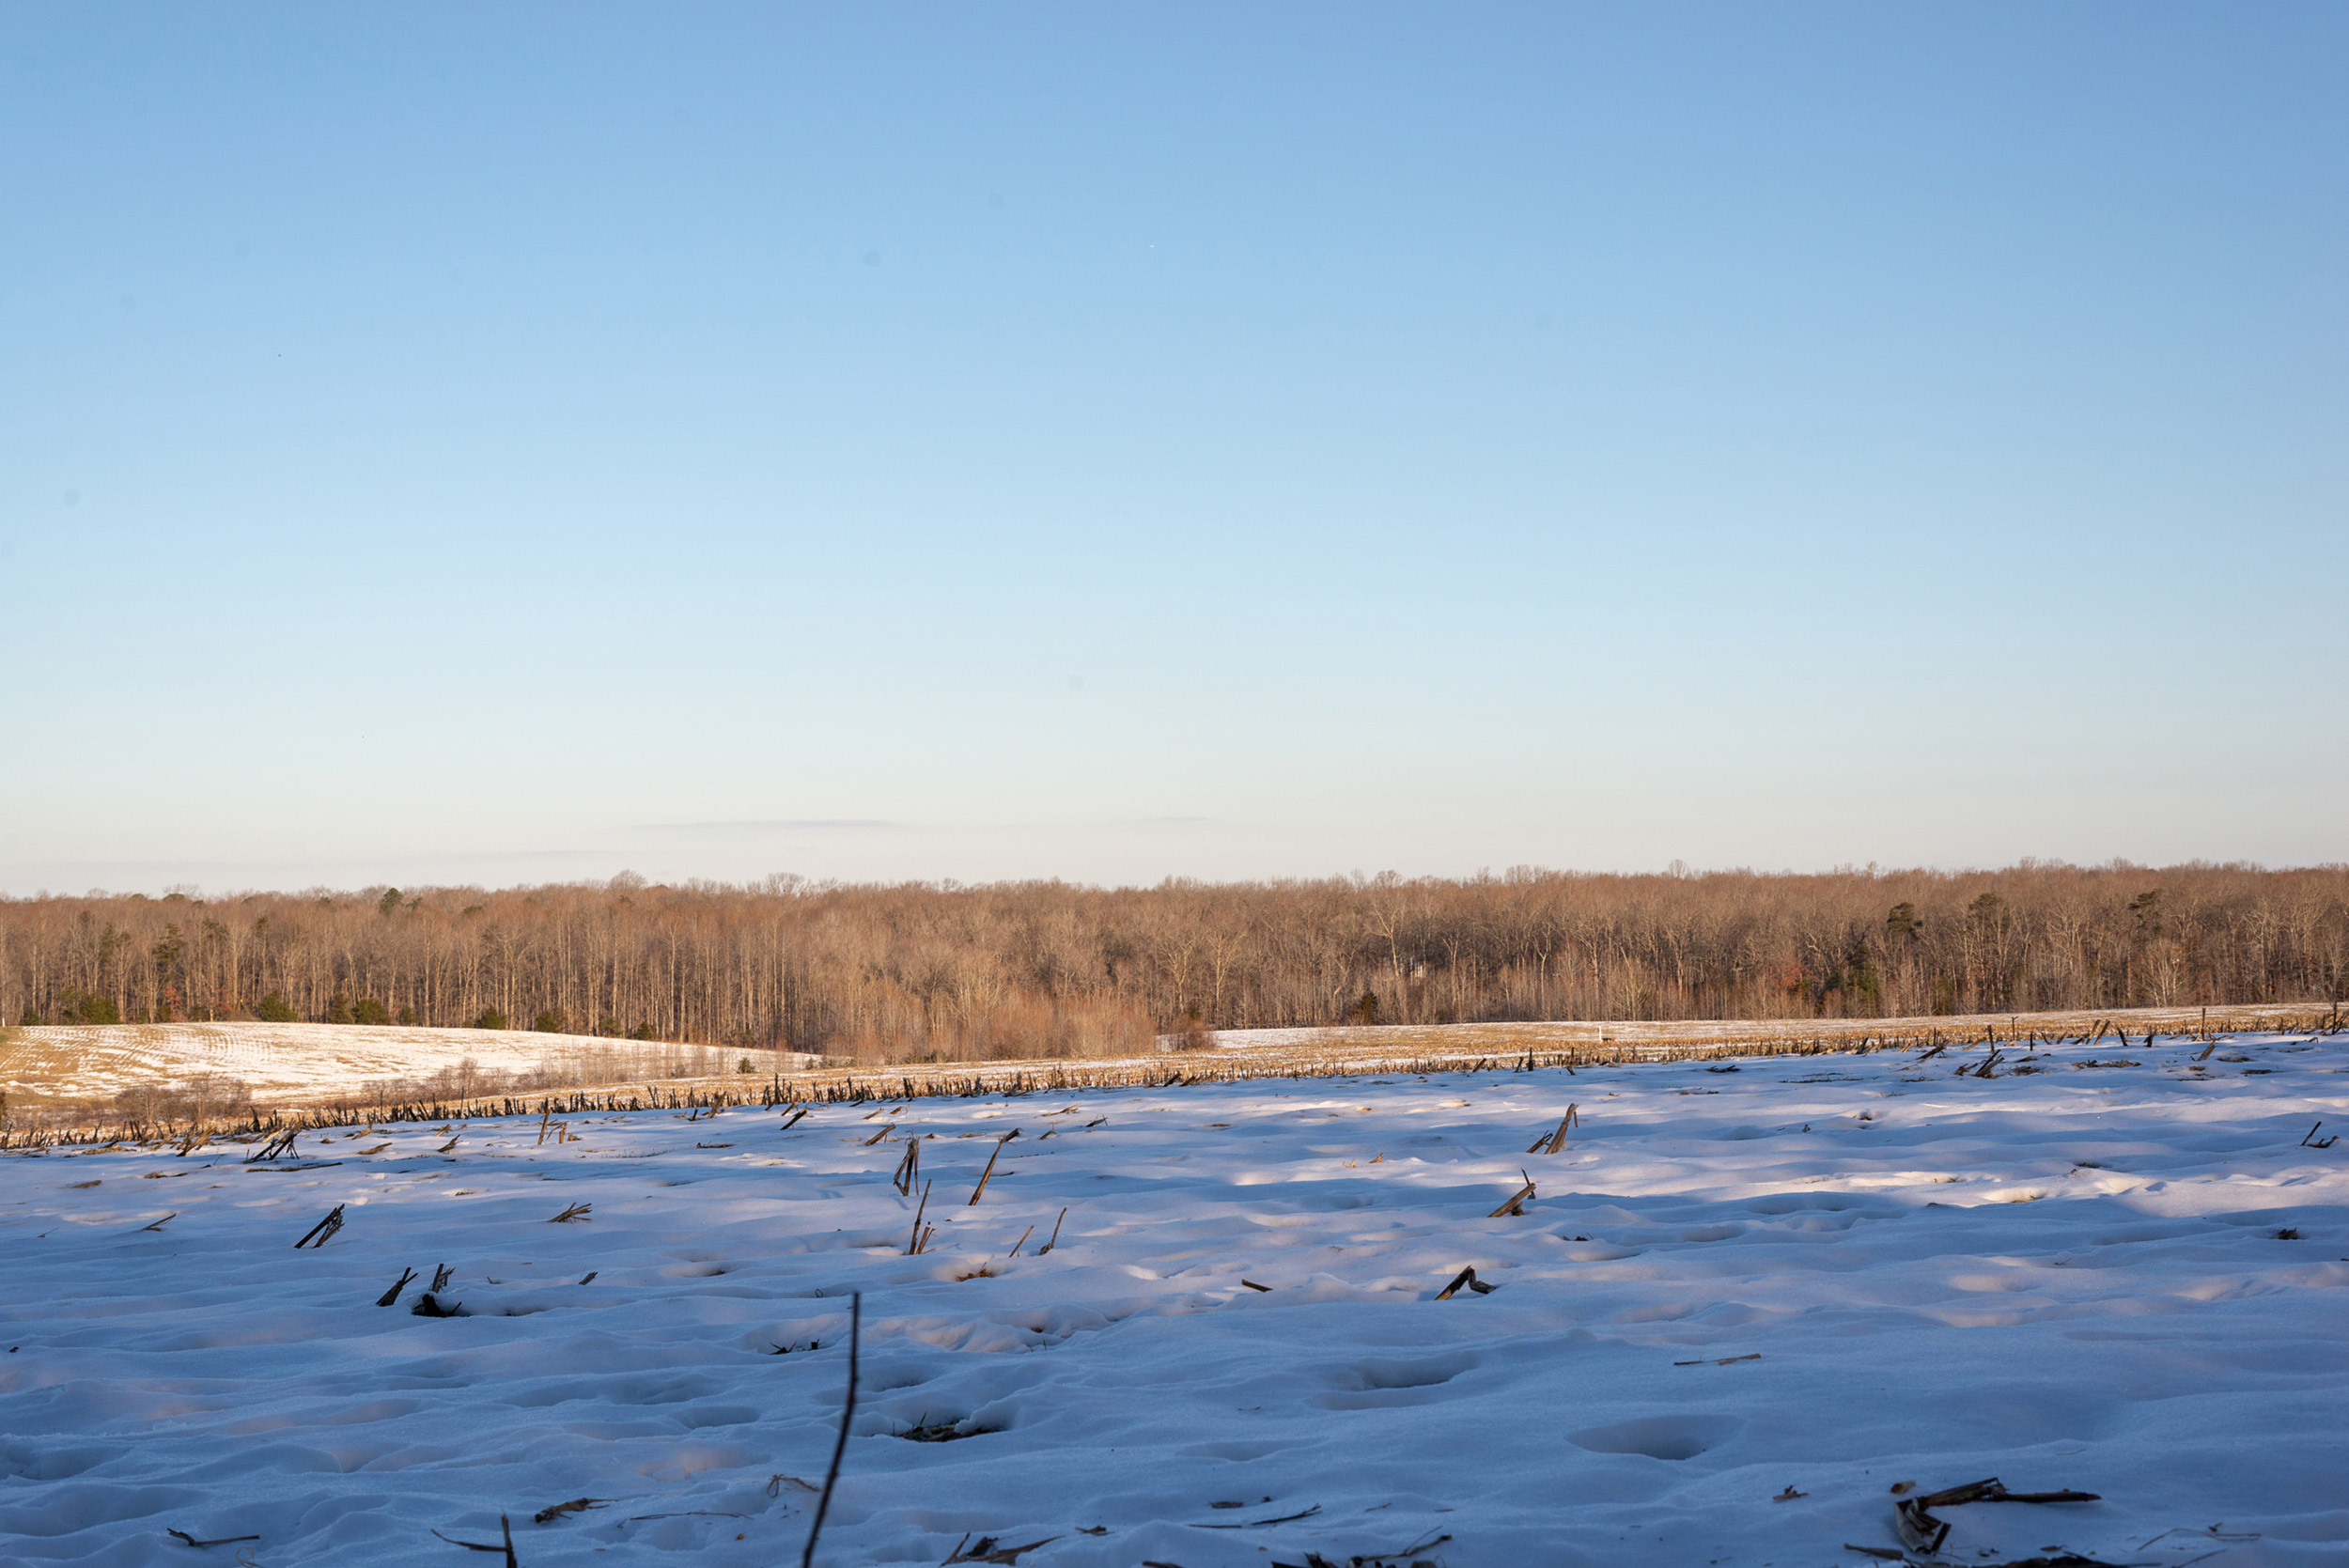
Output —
(1827, 1274)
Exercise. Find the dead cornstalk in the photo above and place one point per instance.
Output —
(1550, 1143)
(324, 1230)
(1516, 1200)
(991, 1166)
(913, 1241)
(840, 1445)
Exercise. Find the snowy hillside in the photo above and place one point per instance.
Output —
(1745, 1307)
(308, 1062)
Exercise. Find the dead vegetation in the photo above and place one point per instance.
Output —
(1328, 1053)
(1920, 1533)
(1048, 970)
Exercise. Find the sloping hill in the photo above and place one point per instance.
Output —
(60, 1066)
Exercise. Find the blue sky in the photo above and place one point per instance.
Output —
(518, 443)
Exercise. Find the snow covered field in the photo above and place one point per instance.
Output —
(1742, 1307)
(306, 1061)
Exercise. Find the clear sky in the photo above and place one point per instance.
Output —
(518, 443)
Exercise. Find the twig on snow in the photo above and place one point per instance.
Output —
(1516, 1204)
(981, 1189)
(576, 1214)
(840, 1447)
(324, 1230)
(1465, 1276)
(397, 1285)
(1921, 1531)
(507, 1547)
(986, 1550)
(1550, 1143)
(216, 1540)
(577, 1505)
(913, 1241)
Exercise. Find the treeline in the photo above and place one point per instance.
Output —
(920, 971)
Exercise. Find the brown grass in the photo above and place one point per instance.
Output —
(1342, 1052)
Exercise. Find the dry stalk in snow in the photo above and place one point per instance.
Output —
(324, 1230)
(1516, 1204)
(986, 1550)
(508, 1547)
(577, 1505)
(1465, 1276)
(1550, 1143)
(1920, 1531)
(277, 1145)
(840, 1447)
(914, 1242)
(977, 1190)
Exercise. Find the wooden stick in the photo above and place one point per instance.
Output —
(1021, 1242)
(913, 1241)
(400, 1284)
(1516, 1202)
(1055, 1241)
(840, 1446)
(332, 1222)
(1550, 1143)
(990, 1168)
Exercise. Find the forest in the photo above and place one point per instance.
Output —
(941, 971)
